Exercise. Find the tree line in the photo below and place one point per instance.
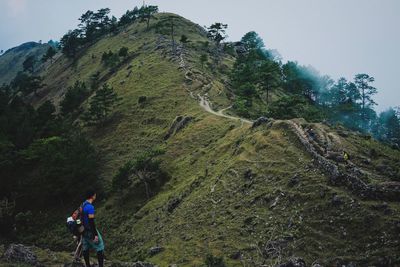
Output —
(94, 25)
(259, 73)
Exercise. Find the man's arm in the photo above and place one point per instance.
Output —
(92, 224)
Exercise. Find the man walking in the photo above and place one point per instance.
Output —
(91, 238)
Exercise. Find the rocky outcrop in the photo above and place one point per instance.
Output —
(260, 121)
(179, 123)
(349, 176)
(155, 250)
(17, 253)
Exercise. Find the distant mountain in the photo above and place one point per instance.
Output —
(11, 61)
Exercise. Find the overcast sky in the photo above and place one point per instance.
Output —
(339, 38)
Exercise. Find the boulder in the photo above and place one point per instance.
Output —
(155, 250)
(294, 180)
(20, 253)
(336, 200)
(248, 174)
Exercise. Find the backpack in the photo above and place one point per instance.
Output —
(75, 223)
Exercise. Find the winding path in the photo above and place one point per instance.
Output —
(203, 101)
(205, 104)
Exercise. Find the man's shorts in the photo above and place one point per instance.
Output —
(88, 243)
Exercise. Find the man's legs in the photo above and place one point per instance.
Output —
(86, 257)
(100, 257)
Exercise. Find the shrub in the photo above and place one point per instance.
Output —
(213, 261)
(121, 179)
(142, 99)
(241, 106)
(123, 52)
(110, 59)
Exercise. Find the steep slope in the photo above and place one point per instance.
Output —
(11, 61)
(253, 195)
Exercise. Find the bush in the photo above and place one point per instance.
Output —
(213, 261)
(242, 106)
(121, 179)
(123, 52)
(144, 170)
(184, 39)
(142, 99)
(110, 59)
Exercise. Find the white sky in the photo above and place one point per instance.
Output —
(337, 37)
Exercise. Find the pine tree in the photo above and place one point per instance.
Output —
(70, 43)
(269, 76)
(101, 105)
(217, 32)
(362, 82)
(252, 40)
(146, 13)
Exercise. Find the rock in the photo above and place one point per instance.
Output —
(336, 156)
(294, 262)
(273, 205)
(384, 207)
(248, 174)
(155, 250)
(20, 253)
(179, 123)
(336, 200)
(236, 255)
(259, 121)
(294, 180)
(173, 204)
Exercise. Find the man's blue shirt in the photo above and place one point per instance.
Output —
(88, 209)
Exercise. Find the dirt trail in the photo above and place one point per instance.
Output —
(203, 101)
(205, 104)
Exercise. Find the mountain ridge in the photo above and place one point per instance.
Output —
(252, 194)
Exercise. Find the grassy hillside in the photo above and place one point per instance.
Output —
(250, 195)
